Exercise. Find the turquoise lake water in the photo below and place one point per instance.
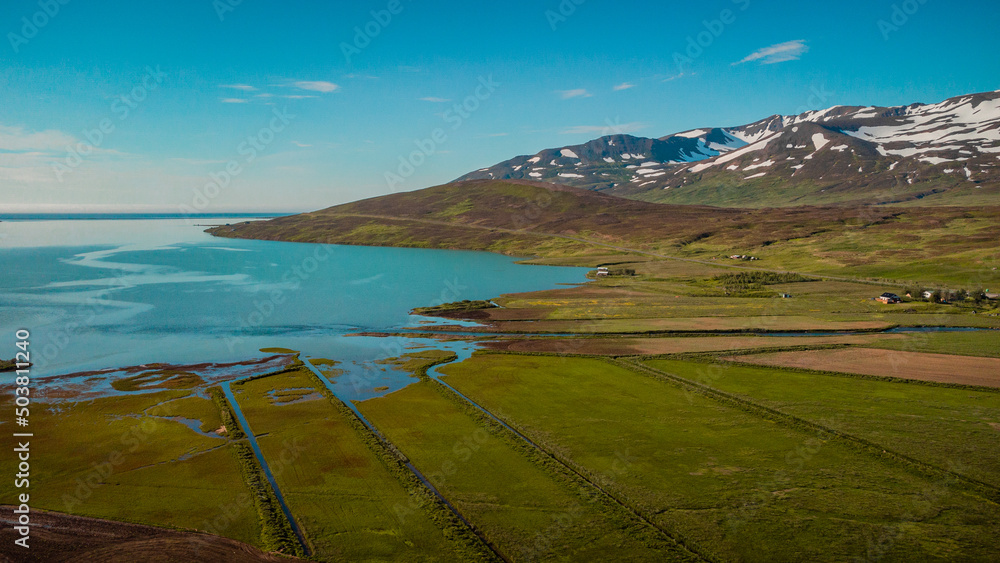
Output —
(98, 294)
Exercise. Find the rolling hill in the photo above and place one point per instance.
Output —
(562, 224)
(939, 154)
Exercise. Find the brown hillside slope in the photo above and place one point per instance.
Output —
(526, 218)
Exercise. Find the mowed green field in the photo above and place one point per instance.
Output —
(350, 505)
(739, 486)
(121, 458)
(953, 429)
(986, 344)
(526, 508)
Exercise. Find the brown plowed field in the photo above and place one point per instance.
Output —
(942, 368)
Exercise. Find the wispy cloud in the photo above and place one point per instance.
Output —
(788, 51)
(435, 100)
(578, 93)
(316, 86)
(301, 145)
(624, 86)
(606, 129)
(243, 87)
(298, 97)
(234, 101)
(678, 76)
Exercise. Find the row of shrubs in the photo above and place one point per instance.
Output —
(750, 281)
(276, 532)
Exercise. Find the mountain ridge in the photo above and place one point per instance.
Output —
(944, 153)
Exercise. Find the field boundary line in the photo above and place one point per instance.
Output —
(415, 484)
(987, 491)
(277, 524)
(865, 376)
(520, 441)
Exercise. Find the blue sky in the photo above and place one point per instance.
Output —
(201, 77)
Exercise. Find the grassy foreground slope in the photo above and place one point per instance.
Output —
(949, 244)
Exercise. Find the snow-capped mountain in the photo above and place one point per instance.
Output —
(844, 153)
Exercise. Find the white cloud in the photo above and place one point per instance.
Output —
(16, 139)
(298, 97)
(243, 87)
(233, 101)
(578, 93)
(435, 100)
(607, 129)
(300, 145)
(316, 86)
(788, 51)
(624, 86)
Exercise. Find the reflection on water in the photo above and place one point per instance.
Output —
(100, 294)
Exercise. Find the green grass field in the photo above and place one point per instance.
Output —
(985, 344)
(740, 487)
(350, 504)
(528, 511)
(953, 429)
(121, 458)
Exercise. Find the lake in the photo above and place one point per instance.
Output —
(101, 293)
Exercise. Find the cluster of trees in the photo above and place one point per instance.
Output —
(621, 272)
